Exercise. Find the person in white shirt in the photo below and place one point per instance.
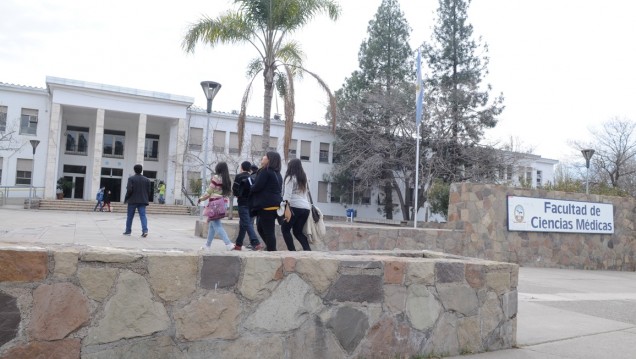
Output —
(295, 195)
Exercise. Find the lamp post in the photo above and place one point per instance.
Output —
(34, 144)
(210, 89)
(587, 154)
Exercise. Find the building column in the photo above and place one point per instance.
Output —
(98, 151)
(52, 151)
(141, 138)
(176, 150)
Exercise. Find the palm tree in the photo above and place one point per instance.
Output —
(265, 24)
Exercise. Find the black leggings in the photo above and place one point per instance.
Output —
(296, 224)
(266, 227)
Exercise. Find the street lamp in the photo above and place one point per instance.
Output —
(587, 154)
(210, 89)
(34, 144)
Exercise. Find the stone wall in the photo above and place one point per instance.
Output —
(482, 213)
(65, 303)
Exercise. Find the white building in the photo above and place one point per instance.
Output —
(93, 134)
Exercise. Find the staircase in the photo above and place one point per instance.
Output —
(87, 206)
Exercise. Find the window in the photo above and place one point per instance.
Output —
(3, 118)
(23, 172)
(336, 155)
(218, 144)
(194, 182)
(76, 169)
(508, 172)
(323, 191)
(0, 170)
(257, 145)
(365, 197)
(151, 148)
(114, 143)
(273, 143)
(305, 150)
(112, 172)
(234, 150)
(539, 178)
(29, 122)
(324, 153)
(292, 149)
(76, 140)
(195, 139)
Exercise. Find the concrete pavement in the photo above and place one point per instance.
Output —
(561, 313)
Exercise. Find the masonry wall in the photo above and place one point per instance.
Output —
(481, 210)
(70, 303)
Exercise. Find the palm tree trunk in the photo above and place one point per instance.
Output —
(267, 106)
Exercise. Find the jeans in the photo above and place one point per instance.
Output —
(296, 223)
(213, 227)
(141, 208)
(246, 226)
(99, 204)
(266, 227)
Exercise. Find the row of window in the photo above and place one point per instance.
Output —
(28, 121)
(113, 144)
(195, 143)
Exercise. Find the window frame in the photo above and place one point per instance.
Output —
(151, 153)
(29, 121)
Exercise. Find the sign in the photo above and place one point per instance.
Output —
(529, 214)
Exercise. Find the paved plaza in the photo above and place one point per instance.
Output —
(561, 313)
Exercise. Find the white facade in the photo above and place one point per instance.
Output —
(93, 134)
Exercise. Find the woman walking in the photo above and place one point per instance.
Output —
(265, 198)
(220, 186)
(295, 195)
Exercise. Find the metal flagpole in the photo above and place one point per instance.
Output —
(419, 98)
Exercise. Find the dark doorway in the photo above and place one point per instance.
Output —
(114, 185)
(151, 175)
(77, 190)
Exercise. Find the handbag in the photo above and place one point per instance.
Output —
(215, 208)
(315, 212)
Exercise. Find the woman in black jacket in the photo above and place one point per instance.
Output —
(265, 198)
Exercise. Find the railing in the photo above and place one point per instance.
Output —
(17, 194)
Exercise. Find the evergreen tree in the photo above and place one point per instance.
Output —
(375, 132)
(457, 105)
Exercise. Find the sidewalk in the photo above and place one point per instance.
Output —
(561, 313)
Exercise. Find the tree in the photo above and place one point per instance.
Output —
(614, 160)
(266, 24)
(374, 142)
(458, 108)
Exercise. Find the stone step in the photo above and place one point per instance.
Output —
(87, 206)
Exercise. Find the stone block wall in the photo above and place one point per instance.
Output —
(481, 211)
(69, 303)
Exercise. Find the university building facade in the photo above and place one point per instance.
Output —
(93, 134)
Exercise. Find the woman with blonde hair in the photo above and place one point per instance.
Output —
(220, 186)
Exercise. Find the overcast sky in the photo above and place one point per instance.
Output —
(563, 66)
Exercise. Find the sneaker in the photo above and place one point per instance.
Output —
(236, 248)
(145, 234)
(205, 248)
(249, 246)
(229, 246)
(126, 233)
(258, 247)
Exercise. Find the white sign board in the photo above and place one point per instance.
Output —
(551, 215)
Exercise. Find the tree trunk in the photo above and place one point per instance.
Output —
(267, 106)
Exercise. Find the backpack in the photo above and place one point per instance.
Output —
(241, 188)
(99, 196)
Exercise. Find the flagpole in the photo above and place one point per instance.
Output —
(417, 174)
(419, 99)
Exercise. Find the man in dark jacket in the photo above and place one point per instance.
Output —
(241, 190)
(137, 191)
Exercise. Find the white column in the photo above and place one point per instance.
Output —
(176, 150)
(141, 138)
(98, 152)
(53, 151)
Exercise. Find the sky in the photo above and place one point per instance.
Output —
(564, 67)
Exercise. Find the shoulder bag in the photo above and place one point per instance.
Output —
(215, 208)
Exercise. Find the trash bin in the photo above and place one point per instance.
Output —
(351, 213)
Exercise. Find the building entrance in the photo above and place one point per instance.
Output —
(111, 179)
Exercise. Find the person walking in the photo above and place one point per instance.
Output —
(162, 192)
(107, 197)
(100, 200)
(137, 190)
(241, 190)
(295, 196)
(220, 186)
(265, 198)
